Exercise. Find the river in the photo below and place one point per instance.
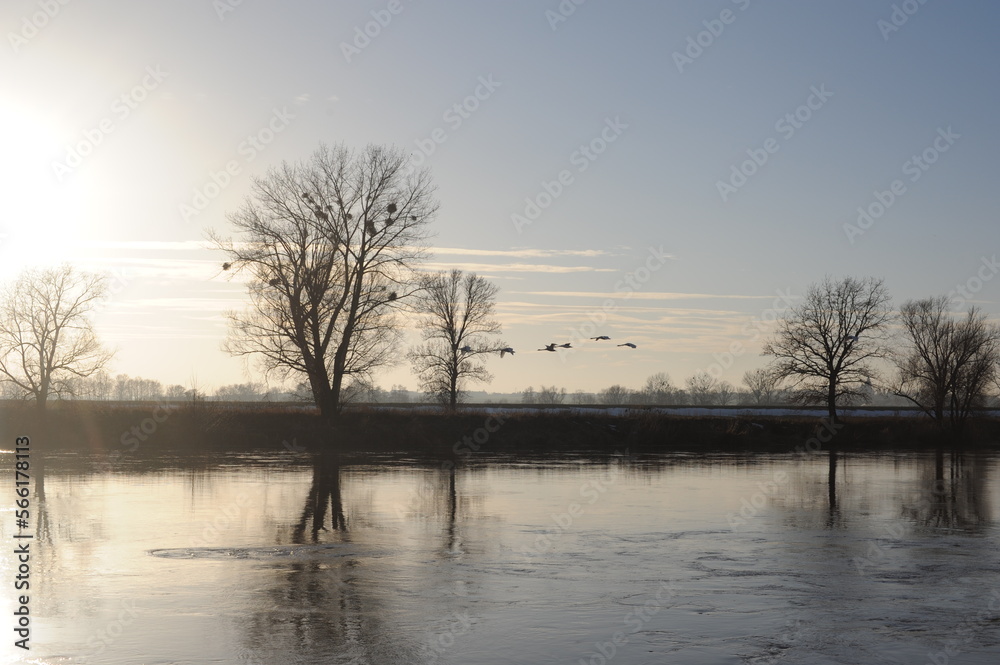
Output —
(263, 558)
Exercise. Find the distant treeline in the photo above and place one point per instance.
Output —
(130, 432)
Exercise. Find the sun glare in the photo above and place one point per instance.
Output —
(38, 213)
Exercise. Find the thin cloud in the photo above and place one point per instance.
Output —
(519, 253)
(514, 267)
(642, 295)
(147, 245)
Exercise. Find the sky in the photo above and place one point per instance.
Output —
(672, 174)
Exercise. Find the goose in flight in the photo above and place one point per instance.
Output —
(567, 345)
(600, 337)
(628, 344)
(505, 351)
(549, 347)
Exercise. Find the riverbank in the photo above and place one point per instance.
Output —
(147, 429)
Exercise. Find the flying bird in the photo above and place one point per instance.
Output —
(549, 347)
(227, 265)
(567, 345)
(628, 344)
(600, 337)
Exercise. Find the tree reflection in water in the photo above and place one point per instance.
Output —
(952, 494)
(323, 498)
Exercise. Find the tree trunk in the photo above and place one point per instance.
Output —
(453, 391)
(323, 394)
(328, 405)
(337, 384)
(42, 395)
(335, 388)
(831, 402)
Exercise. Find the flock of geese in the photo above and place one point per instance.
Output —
(468, 349)
(554, 346)
(549, 347)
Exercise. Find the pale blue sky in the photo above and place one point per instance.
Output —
(211, 82)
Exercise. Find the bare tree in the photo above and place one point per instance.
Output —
(175, 392)
(701, 388)
(615, 395)
(136, 388)
(762, 385)
(361, 390)
(725, 393)
(458, 330)
(551, 395)
(327, 248)
(659, 389)
(46, 337)
(528, 396)
(100, 385)
(825, 346)
(949, 363)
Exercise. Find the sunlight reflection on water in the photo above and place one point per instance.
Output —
(722, 559)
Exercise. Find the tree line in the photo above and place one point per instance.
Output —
(330, 250)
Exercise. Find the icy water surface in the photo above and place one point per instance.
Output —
(261, 559)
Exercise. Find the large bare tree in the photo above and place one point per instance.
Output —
(458, 329)
(948, 363)
(46, 336)
(327, 247)
(825, 347)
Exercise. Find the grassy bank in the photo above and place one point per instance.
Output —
(147, 430)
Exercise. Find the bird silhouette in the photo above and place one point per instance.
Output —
(628, 344)
(506, 350)
(549, 347)
(600, 337)
(227, 265)
(567, 345)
